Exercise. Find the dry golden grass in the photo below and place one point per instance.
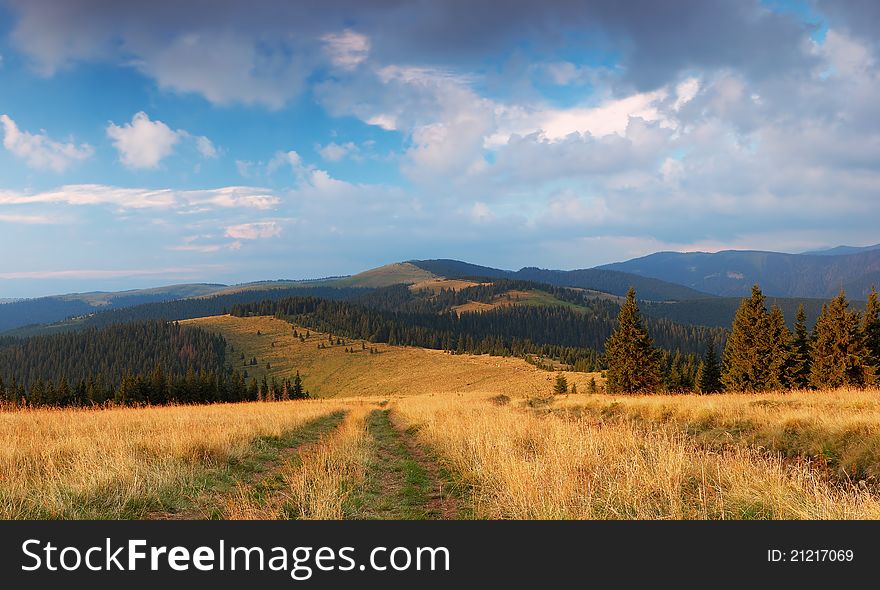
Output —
(123, 463)
(521, 464)
(322, 483)
(838, 429)
(385, 276)
(317, 483)
(396, 370)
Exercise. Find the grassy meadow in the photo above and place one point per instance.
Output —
(420, 434)
(395, 370)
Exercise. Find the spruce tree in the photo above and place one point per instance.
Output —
(838, 354)
(633, 362)
(778, 349)
(297, 392)
(798, 370)
(871, 333)
(561, 385)
(710, 372)
(747, 363)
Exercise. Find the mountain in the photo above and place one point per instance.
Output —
(731, 273)
(47, 310)
(385, 276)
(843, 250)
(606, 281)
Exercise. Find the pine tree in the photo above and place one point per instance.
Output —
(871, 333)
(838, 353)
(710, 372)
(798, 369)
(778, 349)
(633, 362)
(297, 391)
(747, 362)
(561, 385)
(592, 387)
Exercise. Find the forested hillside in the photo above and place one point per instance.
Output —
(108, 353)
(184, 309)
(568, 334)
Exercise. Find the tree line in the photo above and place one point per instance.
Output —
(574, 336)
(130, 364)
(761, 354)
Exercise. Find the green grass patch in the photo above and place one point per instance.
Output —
(397, 487)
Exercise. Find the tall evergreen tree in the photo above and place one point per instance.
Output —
(633, 362)
(747, 362)
(871, 332)
(710, 372)
(838, 354)
(798, 370)
(297, 390)
(778, 349)
(561, 385)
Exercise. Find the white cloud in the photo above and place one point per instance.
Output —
(610, 117)
(138, 198)
(143, 143)
(206, 147)
(334, 152)
(846, 55)
(39, 151)
(685, 92)
(254, 231)
(382, 120)
(346, 49)
(290, 158)
(28, 219)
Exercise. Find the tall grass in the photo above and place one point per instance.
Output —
(317, 483)
(520, 464)
(125, 462)
(839, 431)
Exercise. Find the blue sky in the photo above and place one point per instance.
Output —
(168, 142)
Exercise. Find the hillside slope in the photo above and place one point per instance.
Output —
(392, 371)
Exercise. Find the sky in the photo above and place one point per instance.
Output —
(161, 142)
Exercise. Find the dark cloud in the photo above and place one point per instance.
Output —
(861, 17)
(654, 40)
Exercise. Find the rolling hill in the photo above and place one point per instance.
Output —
(843, 250)
(731, 273)
(68, 309)
(606, 281)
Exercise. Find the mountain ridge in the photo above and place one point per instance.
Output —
(731, 273)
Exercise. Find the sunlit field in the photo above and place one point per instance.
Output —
(128, 462)
(522, 463)
(452, 455)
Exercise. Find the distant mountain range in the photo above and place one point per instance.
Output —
(606, 281)
(731, 273)
(843, 250)
(689, 287)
